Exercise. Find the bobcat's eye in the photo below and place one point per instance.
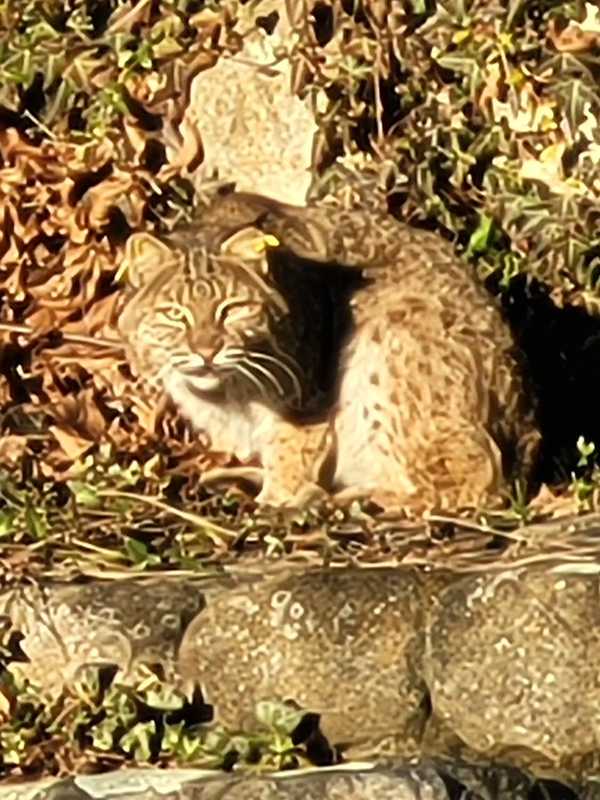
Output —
(232, 312)
(177, 314)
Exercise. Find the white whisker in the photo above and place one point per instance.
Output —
(281, 364)
(164, 370)
(188, 362)
(251, 364)
(239, 367)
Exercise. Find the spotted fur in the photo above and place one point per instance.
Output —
(430, 407)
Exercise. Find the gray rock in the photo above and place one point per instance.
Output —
(350, 650)
(66, 626)
(397, 663)
(402, 783)
(513, 668)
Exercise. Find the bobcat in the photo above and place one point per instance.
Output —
(342, 350)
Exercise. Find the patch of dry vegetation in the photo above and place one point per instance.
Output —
(475, 118)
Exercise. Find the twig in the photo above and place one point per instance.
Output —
(214, 532)
(123, 20)
(74, 338)
(475, 526)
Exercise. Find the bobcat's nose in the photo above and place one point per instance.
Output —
(201, 347)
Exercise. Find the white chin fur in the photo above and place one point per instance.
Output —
(231, 426)
(203, 383)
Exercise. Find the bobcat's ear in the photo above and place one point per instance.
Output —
(144, 256)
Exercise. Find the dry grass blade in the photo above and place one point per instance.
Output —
(472, 525)
(216, 533)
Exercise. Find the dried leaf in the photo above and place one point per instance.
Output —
(12, 449)
(72, 444)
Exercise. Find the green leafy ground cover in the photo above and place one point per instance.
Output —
(96, 724)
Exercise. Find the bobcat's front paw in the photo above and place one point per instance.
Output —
(228, 475)
(390, 502)
(308, 495)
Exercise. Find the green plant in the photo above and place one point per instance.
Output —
(97, 718)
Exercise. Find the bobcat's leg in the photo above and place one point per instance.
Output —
(461, 467)
(294, 458)
(468, 467)
(252, 475)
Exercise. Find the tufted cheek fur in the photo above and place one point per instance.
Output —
(147, 356)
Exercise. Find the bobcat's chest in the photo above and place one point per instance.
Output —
(233, 423)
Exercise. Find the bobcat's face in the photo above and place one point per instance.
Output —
(204, 319)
